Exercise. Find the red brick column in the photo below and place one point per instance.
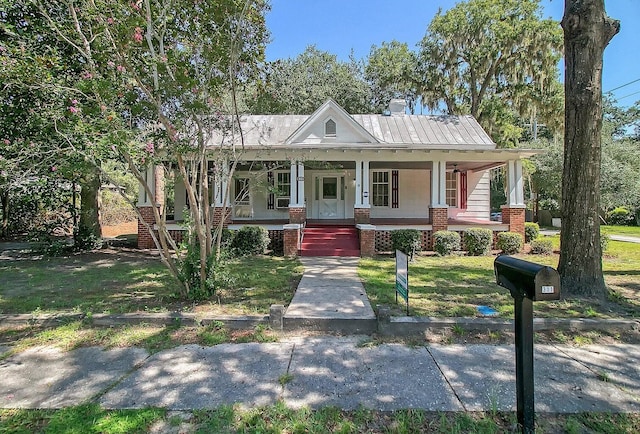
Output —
(367, 235)
(144, 237)
(297, 215)
(514, 217)
(362, 215)
(223, 214)
(439, 218)
(291, 239)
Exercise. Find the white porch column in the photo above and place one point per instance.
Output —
(365, 184)
(221, 185)
(293, 194)
(438, 183)
(143, 198)
(300, 182)
(358, 202)
(515, 183)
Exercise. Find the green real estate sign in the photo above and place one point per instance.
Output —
(402, 276)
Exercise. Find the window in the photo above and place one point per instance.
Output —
(242, 191)
(330, 128)
(380, 188)
(284, 184)
(452, 189)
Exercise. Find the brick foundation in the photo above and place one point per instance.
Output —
(144, 237)
(223, 214)
(367, 242)
(297, 215)
(291, 240)
(362, 215)
(439, 218)
(514, 217)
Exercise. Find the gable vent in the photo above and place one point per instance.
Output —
(330, 128)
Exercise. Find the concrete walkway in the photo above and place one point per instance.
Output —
(330, 296)
(324, 371)
(625, 238)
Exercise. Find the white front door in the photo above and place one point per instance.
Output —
(329, 196)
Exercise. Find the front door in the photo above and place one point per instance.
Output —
(329, 196)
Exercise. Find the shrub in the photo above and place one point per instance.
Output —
(406, 240)
(531, 231)
(620, 216)
(478, 241)
(446, 242)
(541, 247)
(509, 242)
(250, 240)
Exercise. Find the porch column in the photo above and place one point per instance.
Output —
(361, 208)
(291, 239)
(358, 202)
(297, 210)
(513, 213)
(300, 181)
(221, 211)
(438, 211)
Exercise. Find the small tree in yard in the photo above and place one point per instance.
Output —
(158, 89)
(587, 31)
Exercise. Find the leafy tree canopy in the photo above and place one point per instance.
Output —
(300, 85)
(493, 59)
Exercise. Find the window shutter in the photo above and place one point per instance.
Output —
(271, 200)
(394, 189)
(463, 190)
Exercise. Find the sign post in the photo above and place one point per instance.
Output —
(402, 277)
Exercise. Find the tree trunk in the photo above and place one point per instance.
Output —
(587, 31)
(89, 222)
(4, 199)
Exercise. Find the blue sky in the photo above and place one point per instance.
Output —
(340, 26)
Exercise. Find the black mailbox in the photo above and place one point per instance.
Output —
(538, 282)
(528, 282)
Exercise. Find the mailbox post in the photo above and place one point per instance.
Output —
(527, 282)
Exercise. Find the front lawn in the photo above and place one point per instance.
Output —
(632, 231)
(456, 285)
(111, 281)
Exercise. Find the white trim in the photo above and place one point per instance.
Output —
(366, 227)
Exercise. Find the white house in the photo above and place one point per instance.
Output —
(371, 172)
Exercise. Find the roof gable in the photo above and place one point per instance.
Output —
(330, 123)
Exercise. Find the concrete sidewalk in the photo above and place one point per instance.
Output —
(330, 296)
(325, 371)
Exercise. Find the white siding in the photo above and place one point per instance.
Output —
(478, 199)
(413, 199)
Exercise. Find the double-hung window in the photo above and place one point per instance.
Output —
(284, 184)
(452, 189)
(380, 188)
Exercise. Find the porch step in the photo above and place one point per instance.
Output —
(330, 241)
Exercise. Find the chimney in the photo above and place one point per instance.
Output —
(397, 106)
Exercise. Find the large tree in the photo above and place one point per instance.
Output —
(37, 72)
(390, 70)
(493, 59)
(157, 89)
(587, 31)
(300, 85)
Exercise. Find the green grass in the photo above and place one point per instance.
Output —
(153, 338)
(89, 418)
(633, 231)
(277, 418)
(127, 282)
(454, 285)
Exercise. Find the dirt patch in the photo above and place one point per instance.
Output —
(126, 228)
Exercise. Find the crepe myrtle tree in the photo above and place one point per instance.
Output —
(158, 88)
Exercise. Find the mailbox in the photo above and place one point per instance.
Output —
(528, 282)
(527, 279)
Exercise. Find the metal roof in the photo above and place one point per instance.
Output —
(408, 131)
